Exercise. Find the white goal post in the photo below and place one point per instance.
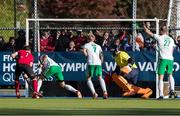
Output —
(94, 20)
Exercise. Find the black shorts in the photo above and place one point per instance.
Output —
(132, 77)
(26, 69)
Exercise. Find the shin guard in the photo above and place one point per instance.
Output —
(121, 82)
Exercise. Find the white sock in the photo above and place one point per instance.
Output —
(91, 86)
(70, 88)
(171, 83)
(103, 85)
(161, 87)
(39, 84)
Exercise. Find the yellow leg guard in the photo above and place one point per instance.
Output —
(130, 89)
(144, 92)
(121, 82)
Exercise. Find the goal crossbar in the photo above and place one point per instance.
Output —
(95, 20)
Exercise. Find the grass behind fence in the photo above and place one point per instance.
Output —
(7, 20)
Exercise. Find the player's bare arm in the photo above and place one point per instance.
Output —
(147, 30)
(42, 60)
(31, 64)
(85, 52)
(101, 57)
(14, 55)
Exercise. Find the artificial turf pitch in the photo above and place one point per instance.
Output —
(88, 106)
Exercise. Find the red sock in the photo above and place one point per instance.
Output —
(17, 84)
(35, 85)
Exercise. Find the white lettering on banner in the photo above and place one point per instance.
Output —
(7, 67)
(176, 66)
(70, 67)
(85, 66)
(78, 66)
(7, 58)
(9, 77)
(62, 65)
(110, 66)
(147, 66)
(141, 67)
(74, 67)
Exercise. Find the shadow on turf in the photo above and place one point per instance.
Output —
(130, 111)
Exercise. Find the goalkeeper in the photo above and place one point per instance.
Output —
(125, 75)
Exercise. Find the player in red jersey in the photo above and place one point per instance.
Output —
(24, 64)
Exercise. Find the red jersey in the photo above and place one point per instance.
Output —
(24, 57)
(47, 45)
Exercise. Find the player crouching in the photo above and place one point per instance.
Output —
(125, 76)
(51, 68)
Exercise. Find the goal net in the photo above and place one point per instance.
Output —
(132, 28)
(173, 18)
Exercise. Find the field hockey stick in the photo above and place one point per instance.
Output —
(28, 82)
(107, 77)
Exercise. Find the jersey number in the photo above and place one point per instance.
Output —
(27, 54)
(166, 42)
(94, 48)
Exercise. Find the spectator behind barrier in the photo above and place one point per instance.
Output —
(10, 46)
(71, 47)
(47, 42)
(106, 42)
(2, 43)
(62, 41)
(79, 39)
(20, 40)
(177, 42)
(98, 36)
(115, 45)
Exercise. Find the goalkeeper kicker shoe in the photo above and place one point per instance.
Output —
(147, 94)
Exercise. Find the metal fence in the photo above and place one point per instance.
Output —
(14, 12)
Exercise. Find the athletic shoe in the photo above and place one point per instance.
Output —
(105, 95)
(18, 95)
(160, 98)
(172, 94)
(147, 94)
(36, 95)
(95, 96)
(128, 94)
(79, 95)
